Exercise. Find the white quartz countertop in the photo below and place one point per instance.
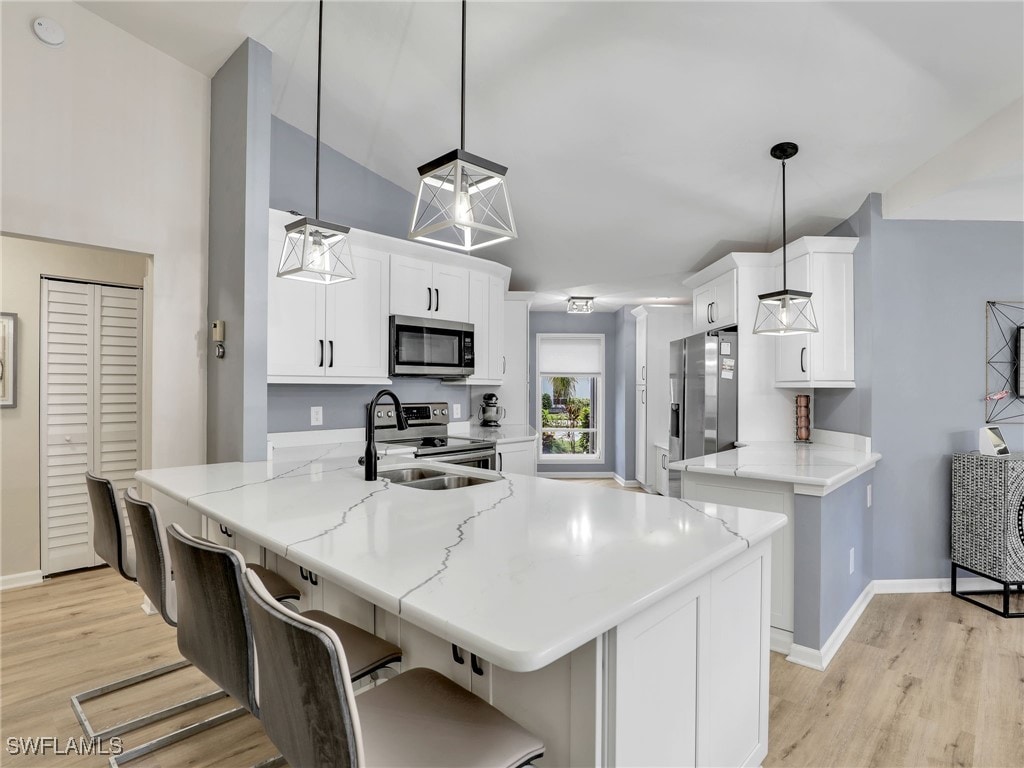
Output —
(506, 433)
(818, 466)
(520, 571)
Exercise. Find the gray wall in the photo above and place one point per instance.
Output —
(920, 303)
(236, 386)
(824, 531)
(350, 193)
(598, 322)
(345, 404)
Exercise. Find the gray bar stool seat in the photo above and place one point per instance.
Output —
(419, 718)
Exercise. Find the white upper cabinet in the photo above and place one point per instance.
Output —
(330, 334)
(487, 314)
(641, 350)
(421, 288)
(824, 266)
(714, 303)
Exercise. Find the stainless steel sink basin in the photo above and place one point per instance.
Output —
(430, 479)
(403, 476)
(446, 482)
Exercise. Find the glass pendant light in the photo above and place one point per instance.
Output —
(316, 251)
(463, 198)
(781, 313)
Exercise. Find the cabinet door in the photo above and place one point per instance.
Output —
(423, 649)
(793, 353)
(515, 388)
(641, 434)
(661, 471)
(309, 585)
(518, 458)
(296, 339)
(451, 293)
(641, 351)
(479, 316)
(412, 290)
(723, 306)
(703, 296)
(496, 327)
(339, 602)
(357, 319)
(832, 347)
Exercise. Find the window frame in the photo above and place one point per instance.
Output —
(599, 389)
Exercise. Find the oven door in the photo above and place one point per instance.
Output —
(421, 347)
(486, 459)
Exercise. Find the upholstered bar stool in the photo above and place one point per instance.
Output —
(419, 718)
(111, 543)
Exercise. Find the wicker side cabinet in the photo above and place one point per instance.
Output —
(987, 526)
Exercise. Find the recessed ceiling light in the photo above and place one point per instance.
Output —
(580, 305)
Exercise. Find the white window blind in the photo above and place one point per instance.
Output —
(570, 354)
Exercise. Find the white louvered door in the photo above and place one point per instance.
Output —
(89, 408)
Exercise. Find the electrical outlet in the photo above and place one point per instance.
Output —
(869, 495)
(851, 561)
(456, 410)
(316, 415)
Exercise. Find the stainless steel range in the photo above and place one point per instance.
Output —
(428, 434)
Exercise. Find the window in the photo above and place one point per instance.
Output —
(570, 383)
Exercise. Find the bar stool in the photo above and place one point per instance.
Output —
(419, 718)
(112, 545)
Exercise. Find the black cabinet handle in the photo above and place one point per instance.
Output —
(430, 298)
(226, 532)
(303, 574)
(474, 662)
(331, 345)
(501, 462)
(321, 354)
(313, 579)
(803, 366)
(456, 655)
(437, 300)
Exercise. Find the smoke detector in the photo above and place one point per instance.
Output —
(49, 32)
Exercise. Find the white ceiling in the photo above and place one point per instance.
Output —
(636, 134)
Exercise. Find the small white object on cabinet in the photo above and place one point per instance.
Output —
(327, 334)
(823, 266)
(420, 288)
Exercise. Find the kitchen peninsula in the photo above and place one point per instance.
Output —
(622, 628)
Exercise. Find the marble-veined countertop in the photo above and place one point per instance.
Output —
(520, 571)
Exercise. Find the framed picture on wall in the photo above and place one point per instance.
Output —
(8, 360)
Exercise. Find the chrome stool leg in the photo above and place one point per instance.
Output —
(173, 738)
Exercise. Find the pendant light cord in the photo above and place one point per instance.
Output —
(462, 103)
(319, 76)
(783, 225)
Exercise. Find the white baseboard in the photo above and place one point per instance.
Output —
(26, 579)
(625, 483)
(910, 586)
(780, 641)
(578, 475)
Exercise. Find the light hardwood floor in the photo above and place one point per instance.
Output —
(923, 680)
(603, 482)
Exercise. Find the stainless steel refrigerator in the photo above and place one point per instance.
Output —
(703, 374)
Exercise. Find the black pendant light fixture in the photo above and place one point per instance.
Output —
(463, 198)
(781, 313)
(316, 251)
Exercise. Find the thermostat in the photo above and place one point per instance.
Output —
(49, 32)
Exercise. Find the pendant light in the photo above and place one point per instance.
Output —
(580, 305)
(781, 313)
(463, 198)
(316, 251)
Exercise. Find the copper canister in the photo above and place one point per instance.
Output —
(803, 418)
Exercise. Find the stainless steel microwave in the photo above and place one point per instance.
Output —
(425, 347)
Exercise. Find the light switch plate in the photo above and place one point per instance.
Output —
(869, 495)
(316, 415)
(456, 410)
(851, 560)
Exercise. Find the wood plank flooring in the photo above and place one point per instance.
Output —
(923, 680)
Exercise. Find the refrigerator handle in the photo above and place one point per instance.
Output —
(673, 426)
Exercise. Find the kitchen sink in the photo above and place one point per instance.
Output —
(430, 479)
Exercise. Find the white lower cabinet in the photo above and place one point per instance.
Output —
(317, 594)
(661, 470)
(641, 435)
(220, 534)
(518, 458)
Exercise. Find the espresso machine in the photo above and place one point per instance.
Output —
(490, 411)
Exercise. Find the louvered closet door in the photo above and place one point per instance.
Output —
(89, 384)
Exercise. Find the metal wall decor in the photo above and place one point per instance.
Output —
(1004, 400)
(781, 313)
(314, 250)
(463, 198)
(8, 360)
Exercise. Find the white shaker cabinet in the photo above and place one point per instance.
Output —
(487, 314)
(823, 266)
(641, 435)
(714, 303)
(327, 334)
(519, 458)
(515, 358)
(421, 288)
(661, 470)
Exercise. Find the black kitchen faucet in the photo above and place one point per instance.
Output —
(370, 456)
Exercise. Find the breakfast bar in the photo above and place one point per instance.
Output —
(622, 628)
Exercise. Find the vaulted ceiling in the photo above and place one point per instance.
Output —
(636, 134)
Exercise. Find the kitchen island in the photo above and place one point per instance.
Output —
(622, 628)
